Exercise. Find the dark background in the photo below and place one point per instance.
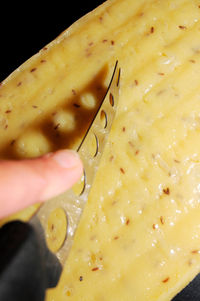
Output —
(26, 27)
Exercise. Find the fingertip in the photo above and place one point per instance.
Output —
(67, 158)
(65, 169)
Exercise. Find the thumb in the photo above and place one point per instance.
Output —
(25, 182)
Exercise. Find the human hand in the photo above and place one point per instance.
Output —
(25, 182)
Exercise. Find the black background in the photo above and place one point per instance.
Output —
(26, 27)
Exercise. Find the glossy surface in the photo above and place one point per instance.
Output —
(56, 229)
(139, 235)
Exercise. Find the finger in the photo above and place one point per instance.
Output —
(25, 182)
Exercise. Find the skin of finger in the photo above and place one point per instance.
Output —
(23, 183)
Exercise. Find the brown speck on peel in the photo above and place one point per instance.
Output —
(165, 280)
(95, 269)
(76, 105)
(162, 220)
(140, 14)
(131, 144)
(5, 127)
(101, 19)
(161, 92)
(182, 27)
(44, 48)
(19, 84)
(73, 92)
(116, 237)
(166, 191)
(33, 69)
(112, 42)
(122, 170)
(53, 114)
(57, 126)
(81, 278)
(128, 222)
(177, 161)
(123, 129)
(93, 237)
(88, 53)
(154, 226)
(8, 111)
(195, 252)
(137, 152)
(111, 158)
(152, 29)
(161, 73)
(104, 41)
(12, 142)
(192, 61)
(35, 107)
(43, 61)
(90, 44)
(196, 50)
(136, 82)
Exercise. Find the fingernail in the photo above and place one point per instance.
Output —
(67, 158)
